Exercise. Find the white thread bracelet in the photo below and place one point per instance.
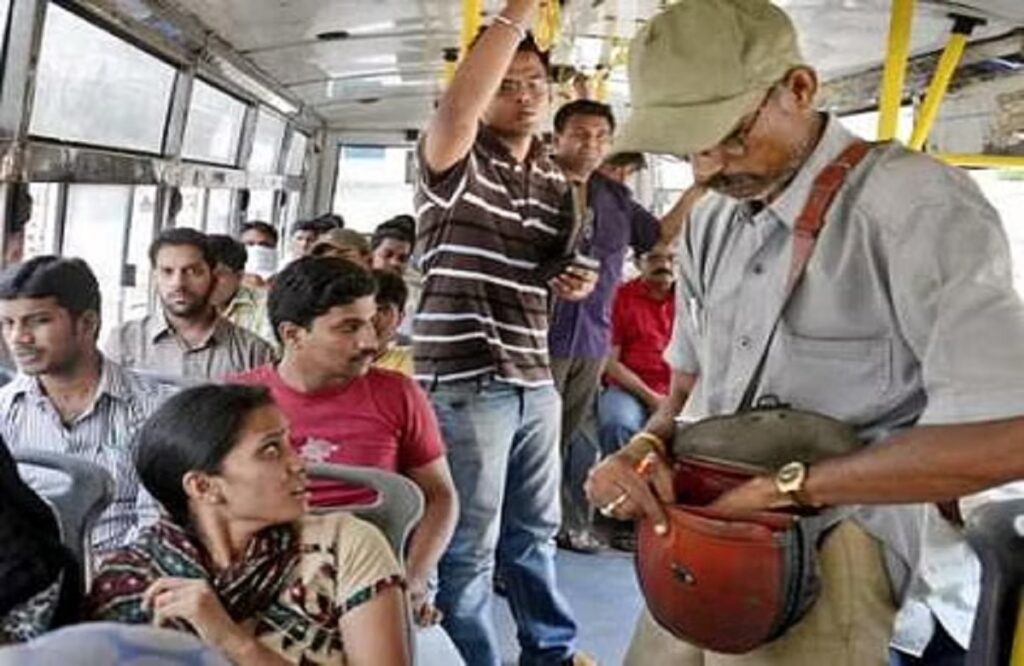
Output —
(501, 19)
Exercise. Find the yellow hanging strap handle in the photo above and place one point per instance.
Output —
(547, 28)
(944, 70)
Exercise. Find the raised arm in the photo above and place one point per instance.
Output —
(452, 129)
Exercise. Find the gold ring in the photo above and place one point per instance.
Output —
(608, 510)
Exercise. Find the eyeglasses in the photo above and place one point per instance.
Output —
(515, 87)
(735, 143)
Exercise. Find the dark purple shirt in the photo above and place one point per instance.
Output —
(583, 329)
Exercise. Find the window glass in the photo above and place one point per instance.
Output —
(261, 206)
(218, 212)
(297, 154)
(865, 125)
(266, 145)
(291, 209)
(191, 213)
(137, 270)
(373, 184)
(1005, 191)
(92, 87)
(214, 125)
(41, 230)
(97, 217)
(5, 13)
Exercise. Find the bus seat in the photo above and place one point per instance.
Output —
(396, 512)
(79, 504)
(996, 532)
(399, 504)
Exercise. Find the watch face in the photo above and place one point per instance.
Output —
(790, 473)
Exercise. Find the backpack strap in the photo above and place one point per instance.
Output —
(805, 234)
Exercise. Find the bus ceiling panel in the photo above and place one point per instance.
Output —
(398, 114)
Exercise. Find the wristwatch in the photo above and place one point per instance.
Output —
(790, 480)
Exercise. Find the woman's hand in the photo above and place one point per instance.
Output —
(424, 612)
(195, 602)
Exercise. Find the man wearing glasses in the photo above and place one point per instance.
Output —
(905, 325)
(492, 217)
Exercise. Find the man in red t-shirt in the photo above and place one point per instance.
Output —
(342, 410)
(636, 375)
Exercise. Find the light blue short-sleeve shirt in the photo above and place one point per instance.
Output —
(906, 315)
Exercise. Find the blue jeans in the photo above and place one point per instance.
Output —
(502, 446)
(620, 415)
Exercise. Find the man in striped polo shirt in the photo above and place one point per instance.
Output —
(493, 215)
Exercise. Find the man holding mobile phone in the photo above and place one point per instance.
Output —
(491, 209)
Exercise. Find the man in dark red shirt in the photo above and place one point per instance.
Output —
(342, 410)
(637, 376)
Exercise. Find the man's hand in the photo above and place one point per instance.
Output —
(623, 487)
(759, 494)
(574, 283)
(195, 602)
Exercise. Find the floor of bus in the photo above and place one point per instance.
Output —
(603, 592)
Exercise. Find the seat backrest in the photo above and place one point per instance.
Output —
(396, 512)
(996, 532)
(89, 493)
(399, 504)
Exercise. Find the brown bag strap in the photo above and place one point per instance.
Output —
(805, 234)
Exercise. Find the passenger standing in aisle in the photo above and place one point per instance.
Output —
(492, 211)
(905, 326)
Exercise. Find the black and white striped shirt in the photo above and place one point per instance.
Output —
(104, 435)
(485, 227)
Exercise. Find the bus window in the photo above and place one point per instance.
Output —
(137, 269)
(291, 209)
(97, 219)
(95, 88)
(41, 230)
(373, 184)
(192, 204)
(218, 212)
(214, 126)
(261, 206)
(296, 155)
(266, 147)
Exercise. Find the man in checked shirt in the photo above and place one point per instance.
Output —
(68, 398)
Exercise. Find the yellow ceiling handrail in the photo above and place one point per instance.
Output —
(894, 74)
(981, 161)
(944, 70)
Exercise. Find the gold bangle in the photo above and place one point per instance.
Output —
(656, 442)
(501, 19)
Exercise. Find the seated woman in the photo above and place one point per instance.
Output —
(237, 560)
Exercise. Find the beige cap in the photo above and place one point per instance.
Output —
(698, 67)
(342, 240)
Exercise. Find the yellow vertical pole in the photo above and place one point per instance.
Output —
(1017, 656)
(472, 13)
(894, 74)
(944, 71)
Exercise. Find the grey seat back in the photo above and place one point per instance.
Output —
(996, 532)
(90, 492)
(396, 512)
(399, 504)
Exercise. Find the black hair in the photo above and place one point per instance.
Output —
(69, 281)
(183, 236)
(583, 107)
(400, 227)
(193, 430)
(636, 160)
(319, 225)
(228, 251)
(263, 228)
(391, 289)
(308, 287)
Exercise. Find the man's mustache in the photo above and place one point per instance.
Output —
(729, 181)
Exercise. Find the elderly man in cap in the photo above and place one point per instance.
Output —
(905, 326)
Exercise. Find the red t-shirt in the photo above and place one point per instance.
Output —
(381, 420)
(641, 328)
